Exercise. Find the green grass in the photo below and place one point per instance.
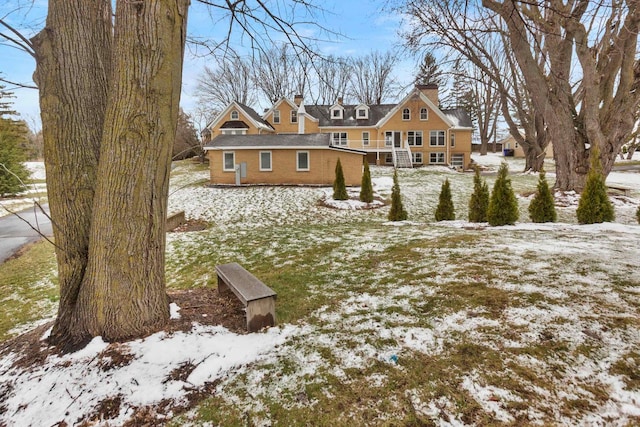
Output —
(28, 288)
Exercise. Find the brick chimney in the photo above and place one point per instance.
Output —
(431, 91)
(340, 100)
(297, 99)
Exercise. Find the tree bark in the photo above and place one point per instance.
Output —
(73, 55)
(109, 128)
(123, 293)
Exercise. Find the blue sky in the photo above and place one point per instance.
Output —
(363, 27)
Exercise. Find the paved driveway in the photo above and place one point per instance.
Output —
(15, 232)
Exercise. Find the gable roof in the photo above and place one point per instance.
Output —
(277, 104)
(248, 112)
(424, 98)
(274, 141)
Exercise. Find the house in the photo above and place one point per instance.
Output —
(415, 129)
(510, 147)
(413, 132)
(288, 159)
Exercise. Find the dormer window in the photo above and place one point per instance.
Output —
(362, 112)
(406, 114)
(235, 115)
(336, 113)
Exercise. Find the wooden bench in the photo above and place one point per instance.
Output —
(259, 299)
(621, 188)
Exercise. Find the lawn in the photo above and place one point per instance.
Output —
(412, 323)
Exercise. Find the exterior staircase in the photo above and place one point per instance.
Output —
(402, 158)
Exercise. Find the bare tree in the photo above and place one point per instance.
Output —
(230, 80)
(281, 73)
(332, 79)
(591, 101)
(473, 34)
(373, 80)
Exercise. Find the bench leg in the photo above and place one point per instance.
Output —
(261, 313)
(223, 289)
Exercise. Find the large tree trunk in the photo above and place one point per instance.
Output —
(111, 248)
(73, 54)
(123, 294)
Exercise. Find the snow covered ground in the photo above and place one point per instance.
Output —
(453, 322)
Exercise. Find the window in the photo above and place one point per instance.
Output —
(388, 138)
(416, 158)
(302, 161)
(414, 137)
(234, 131)
(424, 114)
(294, 116)
(389, 158)
(276, 116)
(406, 114)
(229, 161)
(336, 113)
(457, 161)
(365, 138)
(265, 160)
(452, 137)
(436, 158)
(436, 138)
(235, 115)
(339, 138)
(362, 113)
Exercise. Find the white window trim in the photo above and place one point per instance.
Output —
(438, 132)
(438, 154)
(415, 134)
(276, 116)
(425, 109)
(409, 112)
(368, 139)
(270, 168)
(364, 116)
(339, 116)
(452, 138)
(224, 163)
(236, 114)
(339, 141)
(293, 117)
(415, 158)
(298, 168)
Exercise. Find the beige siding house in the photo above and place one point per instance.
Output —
(411, 133)
(289, 159)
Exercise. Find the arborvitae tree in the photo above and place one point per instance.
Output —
(445, 210)
(542, 207)
(397, 212)
(366, 189)
(503, 206)
(594, 205)
(13, 173)
(479, 201)
(339, 188)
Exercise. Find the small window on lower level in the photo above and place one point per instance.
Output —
(229, 161)
(265, 160)
(302, 161)
(416, 158)
(436, 158)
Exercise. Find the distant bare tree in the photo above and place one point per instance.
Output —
(332, 79)
(281, 73)
(372, 79)
(230, 80)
